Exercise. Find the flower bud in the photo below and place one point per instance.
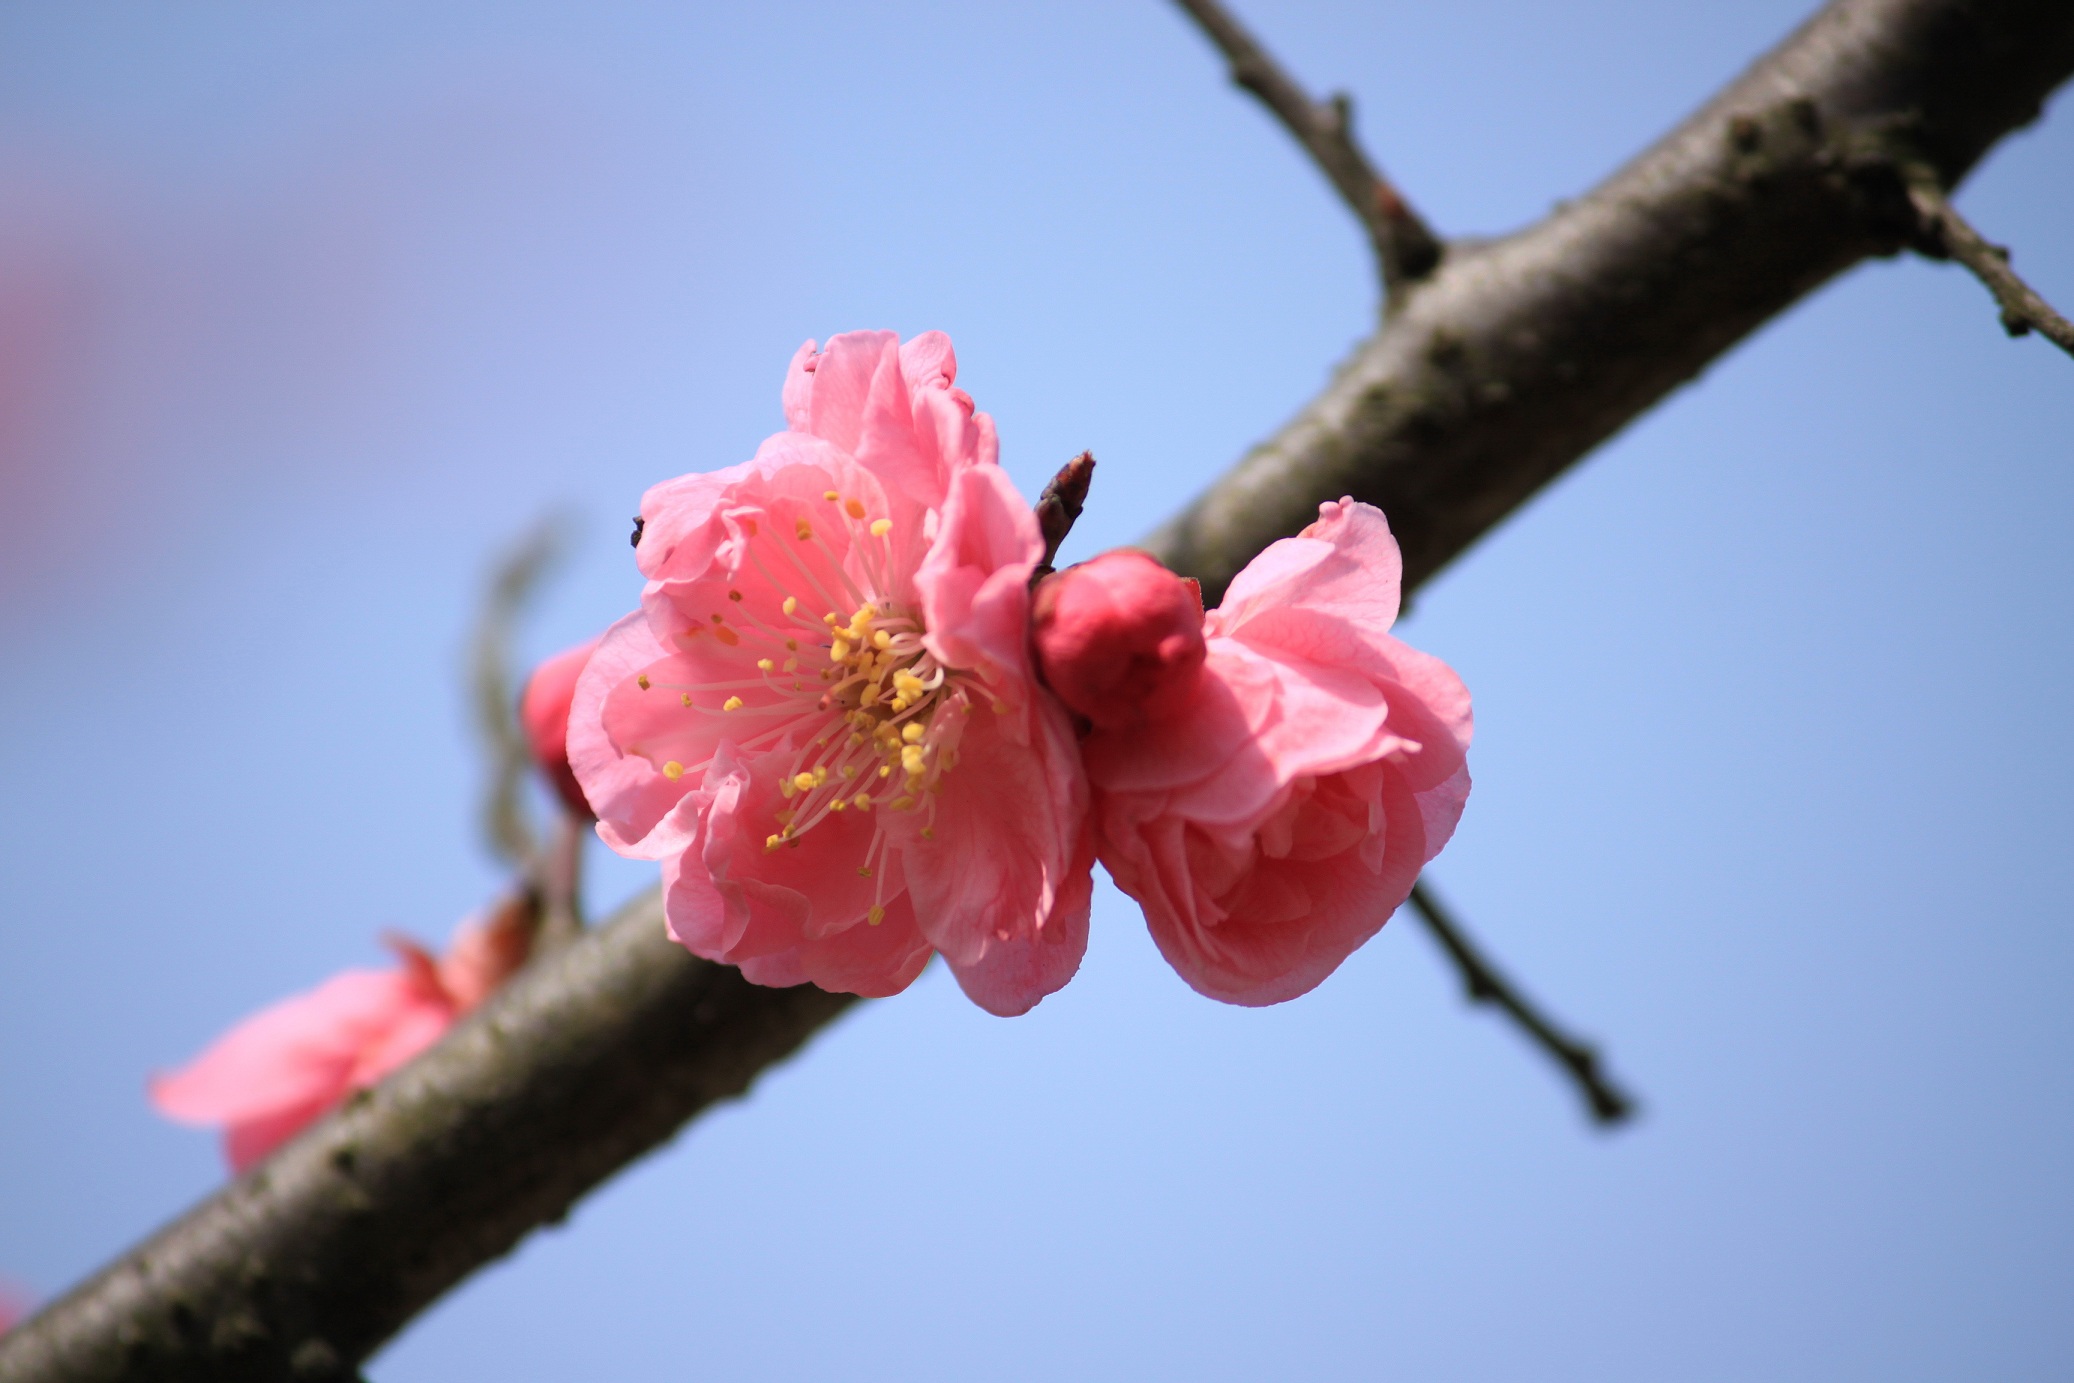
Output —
(1120, 638)
(544, 712)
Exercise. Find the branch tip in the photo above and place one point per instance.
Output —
(1481, 982)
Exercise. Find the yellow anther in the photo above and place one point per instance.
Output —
(911, 760)
(864, 871)
(719, 619)
(853, 508)
(791, 604)
(900, 703)
(803, 530)
(733, 703)
(764, 663)
(642, 681)
(727, 636)
(849, 771)
(685, 698)
(831, 619)
(902, 802)
(928, 833)
(820, 774)
(837, 805)
(855, 740)
(785, 788)
(828, 495)
(912, 732)
(673, 770)
(881, 527)
(735, 596)
(876, 914)
(908, 685)
(885, 771)
(880, 639)
(839, 651)
(792, 644)
(803, 781)
(862, 801)
(772, 842)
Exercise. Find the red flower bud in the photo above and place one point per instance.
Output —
(1120, 638)
(544, 711)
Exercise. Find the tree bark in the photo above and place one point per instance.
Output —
(1509, 363)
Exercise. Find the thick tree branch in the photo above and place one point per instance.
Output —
(1517, 357)
(1948, 235)
(1505, 367)
(1484, 985)
(1406, 250)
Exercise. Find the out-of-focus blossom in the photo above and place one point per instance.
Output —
(823, 719)
(544, 712)
(1270, 801)
(272, 1074)
(14, 1306)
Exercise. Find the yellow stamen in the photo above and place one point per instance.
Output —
(764, 663)
(673, 770)
(853, 508)
(862, 801)
(642, 681)
(828, 495)
(733, 703)
(804, 531)
(912, 732)
(772, 842)
(791, 604)
(881, 527)
(864, 871)
(877, 914)
(839, 651)
(880, 639)
(803, 781)
(885, 772)
(911, 760)
(902, 803)
(928, 833)
(685, 698)
(735, 596)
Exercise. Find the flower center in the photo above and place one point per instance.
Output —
(875, 726)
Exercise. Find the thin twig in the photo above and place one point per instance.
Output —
(1406, 249)
(512, 586)
(1947, 235)
(1484, 985)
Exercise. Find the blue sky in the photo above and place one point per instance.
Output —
(311, 311)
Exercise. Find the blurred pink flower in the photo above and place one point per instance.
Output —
(287, 1064)
(823, 719)
(14, 1306)
(544, 712)
(1270, 799)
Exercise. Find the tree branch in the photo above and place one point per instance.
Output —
(1948, 235)
(1508, 365)
(1406, 250)
(1484, 985)
(513, 583)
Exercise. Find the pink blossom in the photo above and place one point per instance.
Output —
(1270, 803)
(823, 719)
(287, 1064)
(544, 714)
(14, 1306)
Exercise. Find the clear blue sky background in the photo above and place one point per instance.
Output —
(307, 311)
